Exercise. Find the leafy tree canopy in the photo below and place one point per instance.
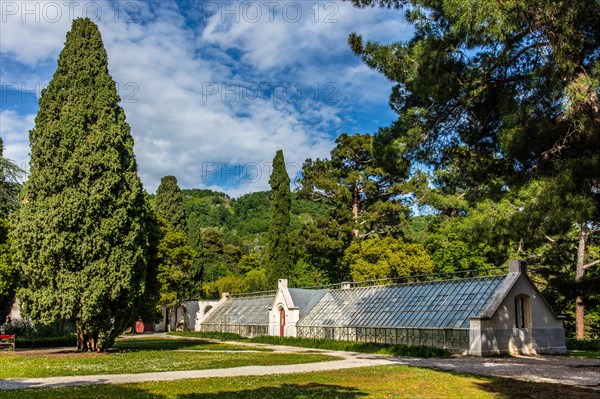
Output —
(500, 98)
(388, 257)
(353, 180)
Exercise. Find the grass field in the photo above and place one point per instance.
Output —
(351, 346)
(369, 382)
(143, 355)
(592, 354)
(179, 344)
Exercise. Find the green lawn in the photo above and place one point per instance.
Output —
(22, 364)
(369, 382)
(588, 354)
(178, 344)
(351, 346)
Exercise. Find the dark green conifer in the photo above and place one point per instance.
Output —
(169, 203)
(279, 257)
(81, 239)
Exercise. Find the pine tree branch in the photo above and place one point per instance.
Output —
(591, 264)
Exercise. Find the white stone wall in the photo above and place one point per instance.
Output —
(283, 299)
(191, 312)
(498, 335)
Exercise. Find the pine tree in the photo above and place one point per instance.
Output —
(502, 96)
(169, 203)
(279, 257)
(81, 239)
(353, 180)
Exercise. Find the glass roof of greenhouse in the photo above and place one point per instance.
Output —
(430, 304)
(253, 310)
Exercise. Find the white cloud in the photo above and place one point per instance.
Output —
(14, 129)
(172, 77)
(33, 32)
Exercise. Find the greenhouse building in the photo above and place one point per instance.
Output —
(489, 315)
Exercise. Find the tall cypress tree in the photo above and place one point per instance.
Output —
(81, 239)
(279, 261)
(169, 203)
(175, 256)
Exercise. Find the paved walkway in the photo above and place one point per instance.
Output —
(350, 361)
(549, 369)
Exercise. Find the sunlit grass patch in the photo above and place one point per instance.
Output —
(386, 382)
(21, 365)
(151, 343)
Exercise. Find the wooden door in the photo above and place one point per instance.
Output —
(281, 322)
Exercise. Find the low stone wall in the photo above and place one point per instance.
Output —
(454, 340)
(517, 341)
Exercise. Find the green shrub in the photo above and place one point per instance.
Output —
(19, 327)
(24, 328)
(585, 345)
(46, 342)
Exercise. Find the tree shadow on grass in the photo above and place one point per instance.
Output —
(158, 344)
(80, 392)
(509, 388)
(284, 391)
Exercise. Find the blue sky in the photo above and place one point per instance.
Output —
(211, 89)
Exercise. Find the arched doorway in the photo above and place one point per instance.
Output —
(281, 322)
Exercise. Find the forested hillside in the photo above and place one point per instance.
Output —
(493, 154)
(233, 236)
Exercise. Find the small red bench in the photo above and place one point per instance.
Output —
(7, 341)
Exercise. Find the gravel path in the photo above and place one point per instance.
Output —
(548, 369)
(350, 361)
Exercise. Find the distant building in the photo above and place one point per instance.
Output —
(481, 316)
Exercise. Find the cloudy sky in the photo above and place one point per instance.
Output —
(211, 89)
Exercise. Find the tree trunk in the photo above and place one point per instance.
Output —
(185, 318)
(355, 211)
(579, 275)
(176, 308)
(87, 342)
(167, 319)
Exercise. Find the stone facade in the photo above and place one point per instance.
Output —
(493, 315)
(518, 321)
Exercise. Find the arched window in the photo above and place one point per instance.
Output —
(522, 311)
(207, 309)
